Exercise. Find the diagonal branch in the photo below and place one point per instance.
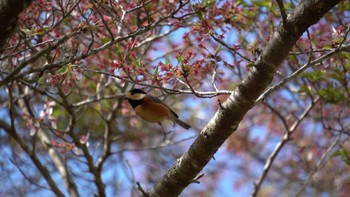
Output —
(296, 73)
(58, 161)
(320, 164)
(227, 118)
(283, 11)
(12, 132)
(33, 58)
(286, 137)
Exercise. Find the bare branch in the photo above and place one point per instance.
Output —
(22, 65)
(283, 12)
(61, 166)
(11, 131)
(319, 165)
(286, 137)
(227, 119)
(90, 162)
(234, 51)
(295, 74)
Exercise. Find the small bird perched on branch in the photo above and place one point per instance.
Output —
(152, 109)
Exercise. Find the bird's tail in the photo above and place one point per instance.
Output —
(175, 118)
(182, 123)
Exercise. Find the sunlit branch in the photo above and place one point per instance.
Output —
(308, 51)
(191, 88)
(156, 37)
(120, 22)
(95, 99)
(213, 78)
(344, 38)
(137, 7)
(182, 82)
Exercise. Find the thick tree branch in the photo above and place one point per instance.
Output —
(226, 119)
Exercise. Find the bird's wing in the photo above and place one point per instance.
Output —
(157, 100)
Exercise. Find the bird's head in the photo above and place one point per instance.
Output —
(135, 94)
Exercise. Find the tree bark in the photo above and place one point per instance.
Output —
(9, 11)
(231, 112)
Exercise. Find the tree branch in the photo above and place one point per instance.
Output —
(286, 137)
(296, 73)
(227, 118)
(12, 132)
(58, 161)
(283, 11)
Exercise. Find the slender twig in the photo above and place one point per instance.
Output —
(33, 58)
(165, 144)
(139, 187)
(202, 94)
(283, 12)
(344, 38)
(311, 48)
(15, 74)
(213, 78)
(23, 172)
(83, 146)
(152, 38)
(286, 137)
(315, 62)
(319, 165)
(58, 161)
(234, 51)
(107, 142)
(12, 132)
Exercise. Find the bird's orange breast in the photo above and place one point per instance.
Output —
(152, 111)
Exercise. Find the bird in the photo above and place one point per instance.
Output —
(151, 109)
